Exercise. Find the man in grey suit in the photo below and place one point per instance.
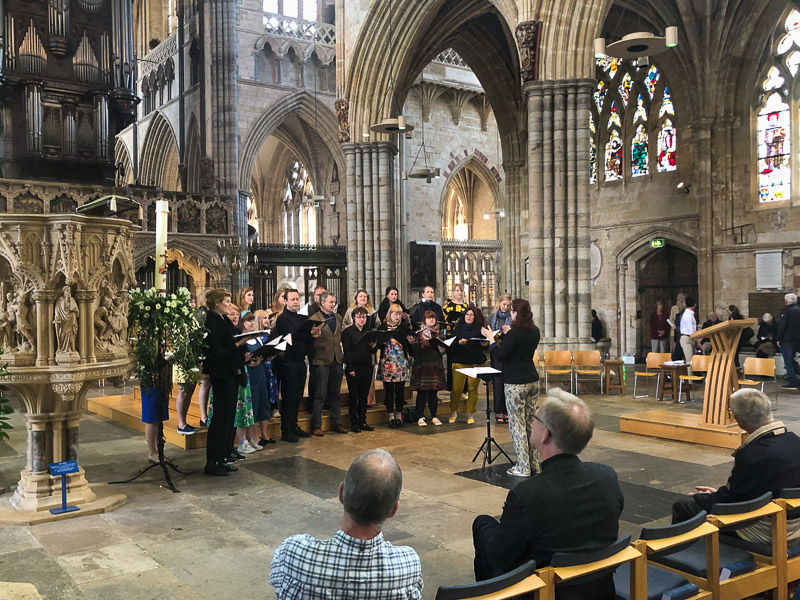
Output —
(571, 506)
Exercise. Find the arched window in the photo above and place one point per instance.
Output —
(299, 207)
(632, 106)
(296, 9)
(774, 115)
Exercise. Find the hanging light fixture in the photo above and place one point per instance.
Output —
(392, 125)
(637, 45)
(427, 173)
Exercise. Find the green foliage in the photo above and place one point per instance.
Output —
(167, 320)
(5, 407)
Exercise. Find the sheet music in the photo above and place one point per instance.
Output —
(303, 311)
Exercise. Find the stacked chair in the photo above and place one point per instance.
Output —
(557, 364)
(700, 364)
(652, 370)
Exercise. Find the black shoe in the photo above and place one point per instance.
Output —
(228, 460)
(263, 442)
(215, 470)
(365, 427)
(789, 386)
(230, 467)
(301, 434)
(203, 423)
(398, 423)
(392, 424)
(289, 437)
(237, 455)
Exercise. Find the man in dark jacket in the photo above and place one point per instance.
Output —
(767, 461)
(292, 365)
(789, 338)
(325, 360)
(571, 506)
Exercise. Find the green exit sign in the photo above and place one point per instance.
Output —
(657, 243)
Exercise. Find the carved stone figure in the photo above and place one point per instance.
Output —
(21, 313)
(103, 331)
(528, 41)
(119, 323)
(66, 322)
(342, 106)
(7, 341)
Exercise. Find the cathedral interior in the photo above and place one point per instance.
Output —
(361, 144)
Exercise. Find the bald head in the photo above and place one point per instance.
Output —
(372, 487)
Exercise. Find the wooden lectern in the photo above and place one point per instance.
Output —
(716, 426)
(722, 378)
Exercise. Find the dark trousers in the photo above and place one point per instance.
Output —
(483, 528)
(429, 397)
(357, 393)
(293, 380)
(683, 510)
(498, 390)
(328, 389)
(393, 395)
(787, 351)
(221, 431)
(312, 387)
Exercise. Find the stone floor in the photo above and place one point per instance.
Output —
(215, 539)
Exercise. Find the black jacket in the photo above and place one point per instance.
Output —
(418, 312)
(471, 353)
(290, 322)
(384, 308)
(515, 351)
(357, 353)
(769, 463)
(571, 506)
(789, 325)
(223, 358)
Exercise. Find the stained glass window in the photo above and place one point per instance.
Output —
(666, 147)
(609, 65)
(613, 118)
(592, 161)
(614, 157)
(641, 111)
(625, 88)
(639, 158)
(666, 105)
(793, 61)
(600, 96)
(774, 80)
(774, 173)
(652, 80)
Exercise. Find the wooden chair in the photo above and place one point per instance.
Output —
(764, 368)
(557, 363)
(652, 581)
(570, 568)
(654, 360)
(700, 364)
(703, 565)
(536, 362)
(521, 580)
(587, 363)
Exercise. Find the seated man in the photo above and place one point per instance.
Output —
(571, 506)
(356, 562)
(767, 461)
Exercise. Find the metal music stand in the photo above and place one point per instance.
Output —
(486, 446)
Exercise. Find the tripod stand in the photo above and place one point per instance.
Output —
(486, 446)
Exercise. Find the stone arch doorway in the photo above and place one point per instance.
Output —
(662, 275)
(661, 271)
(176, 277)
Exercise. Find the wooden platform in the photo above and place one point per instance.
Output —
(682, 427)
(127, 410)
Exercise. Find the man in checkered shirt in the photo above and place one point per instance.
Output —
(356, 563)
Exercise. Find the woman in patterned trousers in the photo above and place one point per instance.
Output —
(515, 352)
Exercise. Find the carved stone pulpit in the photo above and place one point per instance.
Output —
(63, 278)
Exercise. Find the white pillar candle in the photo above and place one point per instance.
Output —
(162, 212)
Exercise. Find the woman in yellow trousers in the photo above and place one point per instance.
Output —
(467, 350)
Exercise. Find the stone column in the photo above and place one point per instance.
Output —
(513, 260)
(43, 350)
(85, 338)
(370, 210)
(559, 209)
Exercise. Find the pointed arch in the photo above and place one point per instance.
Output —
(159, 162)
(463, 181)
(192, 157)
(124, 165)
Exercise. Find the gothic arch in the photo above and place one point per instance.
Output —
(124, 165)
(203, 257)
(301, 105)
(159, 159)
(636, 247)
(484, 173)
(192, 157)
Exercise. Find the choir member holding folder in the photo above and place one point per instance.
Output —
(393, 364)
(467, 350)
(428, 373)
(358, 368)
